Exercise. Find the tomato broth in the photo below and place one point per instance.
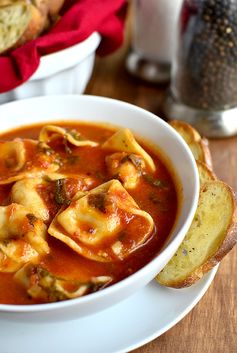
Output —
(155, 193)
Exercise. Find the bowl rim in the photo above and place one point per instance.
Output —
(63, 59)
(49, 307)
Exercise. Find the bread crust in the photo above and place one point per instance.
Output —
(55, 7)
(49, 8)
(205, 172)
(194, 140)
(204, 143)
(35, 27)
(188, 130)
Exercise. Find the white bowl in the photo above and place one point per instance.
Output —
(64, 72)
(142, 123)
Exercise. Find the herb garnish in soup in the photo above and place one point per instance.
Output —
(81, 207)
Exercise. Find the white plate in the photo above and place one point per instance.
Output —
(126, 326)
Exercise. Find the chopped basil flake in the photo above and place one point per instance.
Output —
(32, 219)
(67, 148)
(44, 148)
(75, 134)
(60, 195)
(155, 182)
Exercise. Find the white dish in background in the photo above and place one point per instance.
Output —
(142, 123)
(136, 321)
(64, 72)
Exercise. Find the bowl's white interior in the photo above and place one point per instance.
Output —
(141, 122)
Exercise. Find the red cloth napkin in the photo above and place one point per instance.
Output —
(80, 18)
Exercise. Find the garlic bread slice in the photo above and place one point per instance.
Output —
(212, 234)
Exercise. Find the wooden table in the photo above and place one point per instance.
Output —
(211, 327)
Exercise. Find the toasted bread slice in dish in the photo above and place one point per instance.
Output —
(198, 146)
(24, 20)
(212, 234)
(20, 22)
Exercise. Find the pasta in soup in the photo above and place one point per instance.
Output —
(82, 207)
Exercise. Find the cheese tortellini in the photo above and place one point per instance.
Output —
(124, 141)
(97, 225)
(51, 132)
(22, 237)
(44, 286)
(13, 155)
(127, 168)
(24, 192)
(25, 158)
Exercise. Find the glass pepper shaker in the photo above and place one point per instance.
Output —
(203, 87)
(154, 31)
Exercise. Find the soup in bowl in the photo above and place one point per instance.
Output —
(96, 195)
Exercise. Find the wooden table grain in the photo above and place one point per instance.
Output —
(211, 327)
